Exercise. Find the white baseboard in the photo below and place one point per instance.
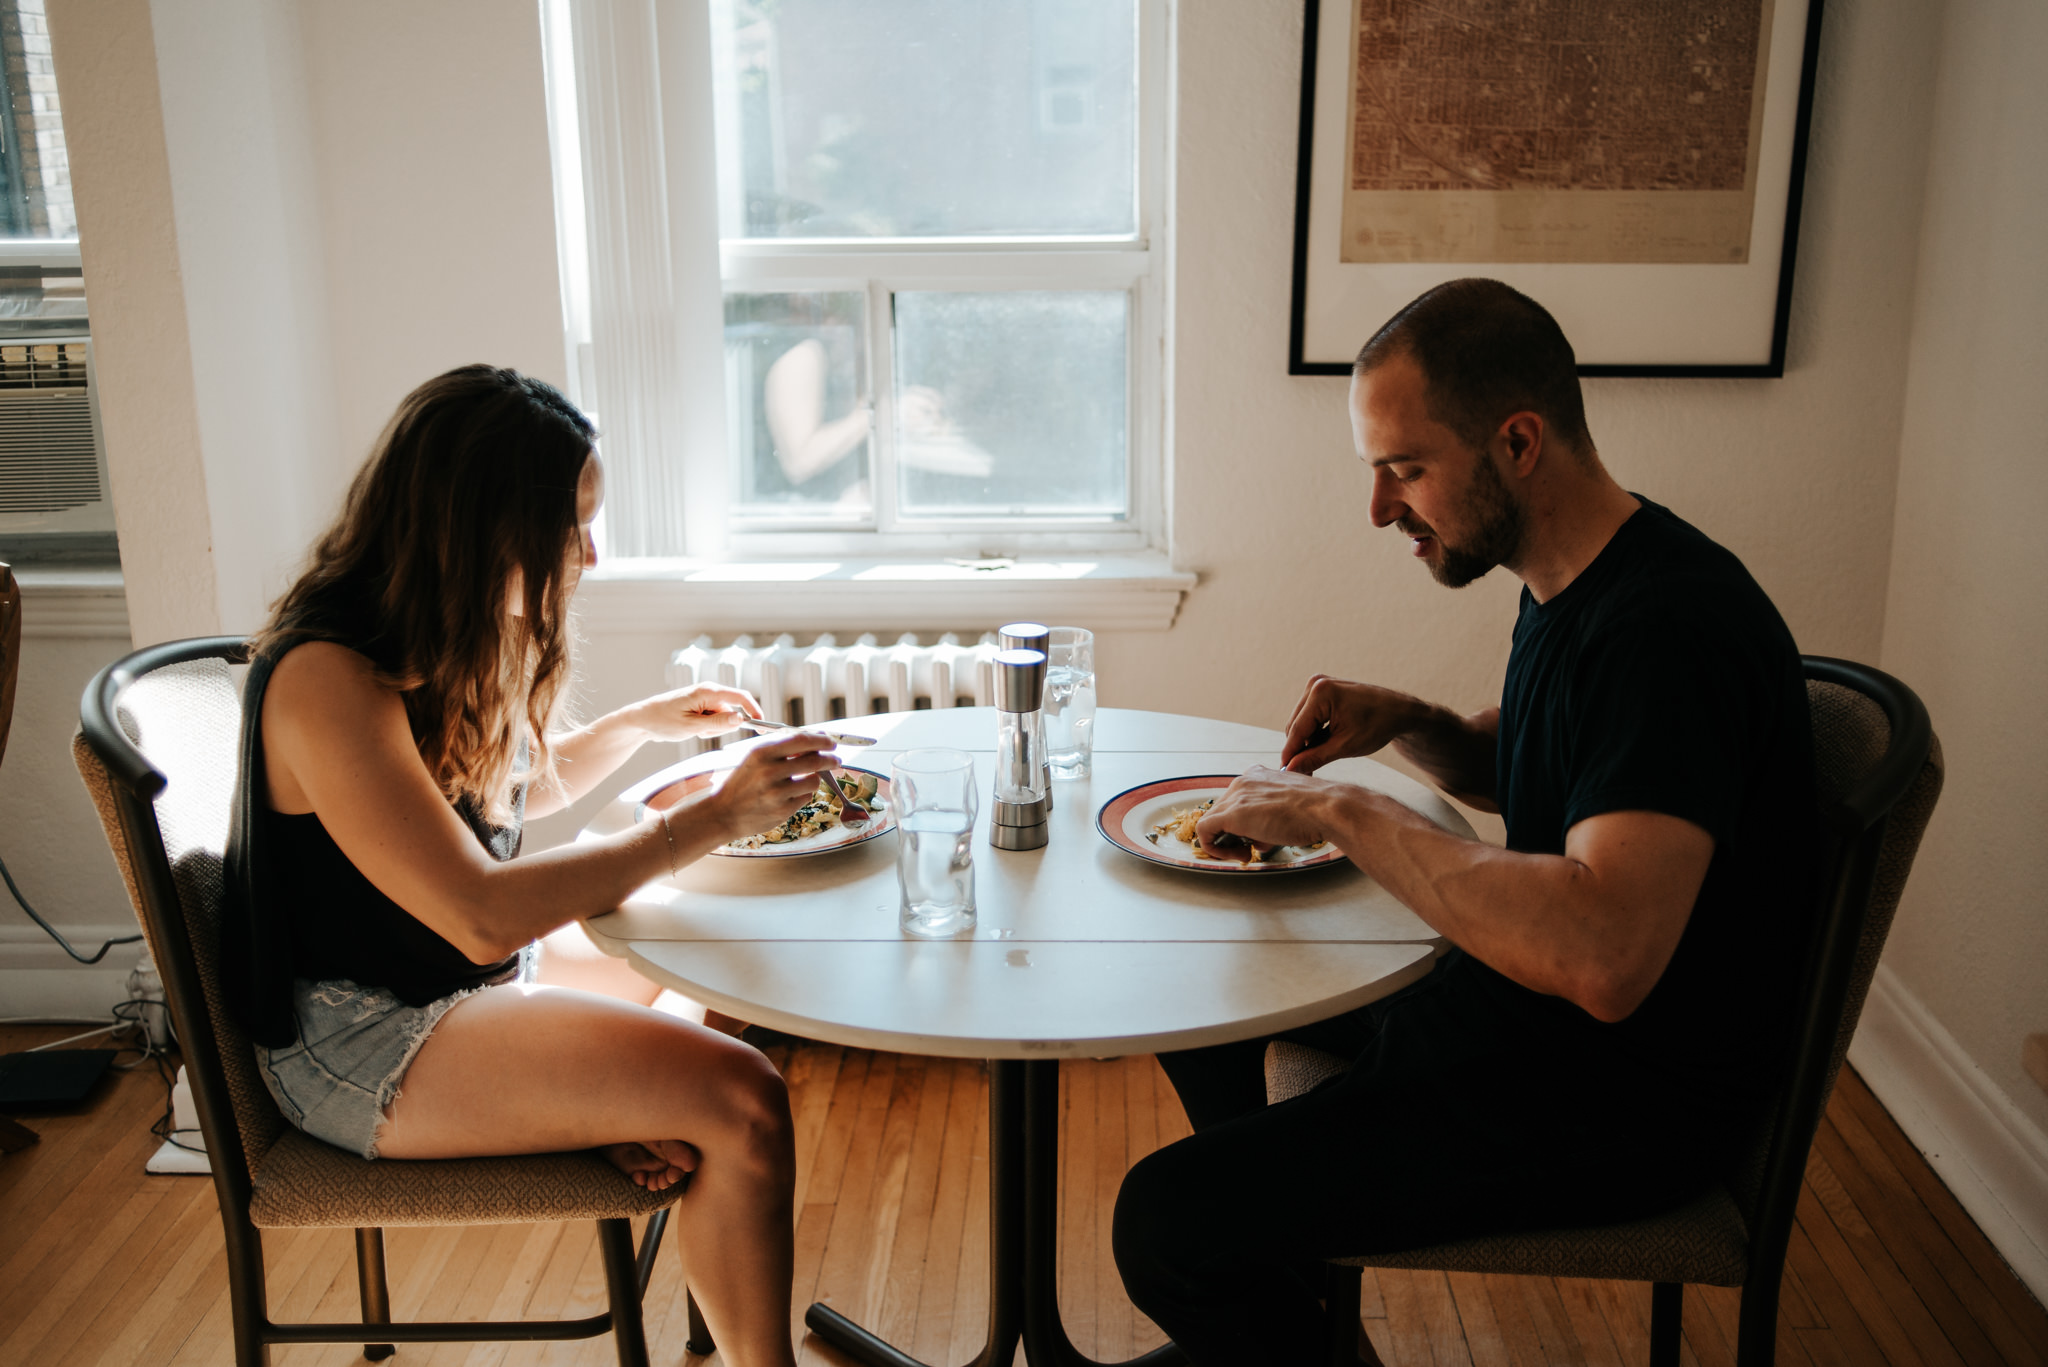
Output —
(40, 980)
(1990, 1155)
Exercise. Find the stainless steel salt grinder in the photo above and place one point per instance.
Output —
(1023, 792)
(1031, 636)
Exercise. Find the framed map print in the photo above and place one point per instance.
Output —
(1633, 166)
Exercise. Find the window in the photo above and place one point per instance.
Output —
(937, 274)
(35, 175)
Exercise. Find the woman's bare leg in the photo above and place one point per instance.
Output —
(542, 1069)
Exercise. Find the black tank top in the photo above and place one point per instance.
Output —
(297, 908)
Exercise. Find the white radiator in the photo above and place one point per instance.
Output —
(824, 679)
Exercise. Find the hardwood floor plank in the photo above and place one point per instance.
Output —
(1512, 1320)
(1928, 1252)
(2026, 1313)
(934, 1335)
(187, 1217)
(885, 1210)
(47, 1290)
(1406, 1321)
(1596, 1340)
(1847, 1340)
(1076, 1235)
(970, 1286)
(904, 1283)
(1883, 1233)
(1483, 1339)
(811, 1074)
(1849, 1233)
(842, 1276)
(849, 1087)
(1114, 1314)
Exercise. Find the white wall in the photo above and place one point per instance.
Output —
(1967, 618)
(290, 215)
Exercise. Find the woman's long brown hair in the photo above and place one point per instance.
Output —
(470, 489)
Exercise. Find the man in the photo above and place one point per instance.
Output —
(1604, 1032)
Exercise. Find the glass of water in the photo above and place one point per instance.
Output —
(1070, 701)
(933, 793)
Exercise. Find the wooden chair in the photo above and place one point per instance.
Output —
(14, 1136)
(158, 749)
(1879, 772)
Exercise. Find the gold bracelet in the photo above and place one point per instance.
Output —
(669, 835)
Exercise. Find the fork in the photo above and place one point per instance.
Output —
(836, 737)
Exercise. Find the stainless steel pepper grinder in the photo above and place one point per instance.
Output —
(1023, 790)
(1031, 636)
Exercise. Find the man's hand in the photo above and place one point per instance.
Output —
(1336, 719)
(1267, 807)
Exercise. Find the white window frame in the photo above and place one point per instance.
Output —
(700, 467)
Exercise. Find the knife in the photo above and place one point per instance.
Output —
(836, 737)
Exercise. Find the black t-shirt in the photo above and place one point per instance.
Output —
(1662, 679)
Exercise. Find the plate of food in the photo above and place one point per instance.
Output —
(1156, 822)
(850, 807)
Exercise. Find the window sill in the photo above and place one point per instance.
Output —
(1124, 592)
(80, 603)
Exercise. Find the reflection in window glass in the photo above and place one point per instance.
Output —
(926, 118)
(1012, 404)
(35, 173)
(796, 403)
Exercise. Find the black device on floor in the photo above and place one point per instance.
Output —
(51, 1078)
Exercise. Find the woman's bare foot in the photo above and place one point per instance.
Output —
(656, 1165)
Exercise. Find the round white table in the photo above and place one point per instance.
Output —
(1080, 950)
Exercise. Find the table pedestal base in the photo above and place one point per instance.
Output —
(1023, 1238)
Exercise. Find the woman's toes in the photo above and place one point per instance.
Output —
(634, 1160)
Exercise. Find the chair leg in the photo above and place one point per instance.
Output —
(699, 1341)
(1667, 1320)
(1756, 1332)
(372, 1290)
(622, 1282)
(1340, 1307)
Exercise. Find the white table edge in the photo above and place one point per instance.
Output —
(1109, 1046)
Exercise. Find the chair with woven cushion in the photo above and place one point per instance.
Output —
(14, 1136)
(1878, 769)
(157, 747)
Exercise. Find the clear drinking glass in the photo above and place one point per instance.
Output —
(933, 793)
(1070, 701)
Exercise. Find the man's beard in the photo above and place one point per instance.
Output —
(1499, 523)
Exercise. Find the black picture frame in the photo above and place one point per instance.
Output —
(1305, 271)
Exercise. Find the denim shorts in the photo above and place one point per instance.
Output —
(354, 1046)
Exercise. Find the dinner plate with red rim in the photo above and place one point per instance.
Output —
(1131, 819)
(839, 837)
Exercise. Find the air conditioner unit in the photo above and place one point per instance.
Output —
(53, 462)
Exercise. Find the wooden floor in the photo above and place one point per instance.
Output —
(100, 1263)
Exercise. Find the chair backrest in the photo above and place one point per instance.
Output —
(158, 747)
(1878, 771)
(10, 649)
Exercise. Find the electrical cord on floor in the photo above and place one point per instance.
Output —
(134, 1014)
(52, 930)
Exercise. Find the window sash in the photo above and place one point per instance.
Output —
(682, 464)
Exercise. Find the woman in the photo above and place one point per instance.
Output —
(398, 726)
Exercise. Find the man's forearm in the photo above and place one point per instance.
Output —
(1456, 752)
(1595, 925)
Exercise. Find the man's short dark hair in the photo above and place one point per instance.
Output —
(1485, 351)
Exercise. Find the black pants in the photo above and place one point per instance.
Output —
(1449, 1124)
